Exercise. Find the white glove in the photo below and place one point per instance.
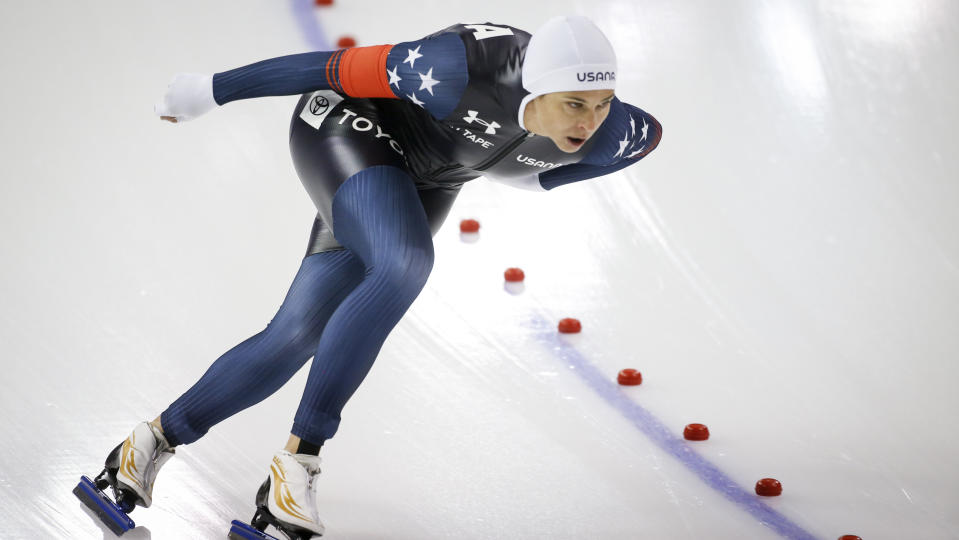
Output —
(187, 96)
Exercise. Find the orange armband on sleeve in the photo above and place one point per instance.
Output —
(360, 72)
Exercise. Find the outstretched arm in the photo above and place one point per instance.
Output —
(437, 65)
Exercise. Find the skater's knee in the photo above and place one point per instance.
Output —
(405, 270)
(297, 326)
(289, 332)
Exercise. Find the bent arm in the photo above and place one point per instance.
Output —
(529, 183)
(577, 172)
(628, 135)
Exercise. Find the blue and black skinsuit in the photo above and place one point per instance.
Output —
(383, 138)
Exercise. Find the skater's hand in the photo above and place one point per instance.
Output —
(188, 96)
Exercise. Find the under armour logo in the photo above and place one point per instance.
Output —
(319, 105)
(490, 126)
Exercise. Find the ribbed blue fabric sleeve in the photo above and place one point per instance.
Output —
(567, 174)
(282, 76)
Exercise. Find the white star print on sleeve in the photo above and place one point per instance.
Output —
(622, 146)
(394, 77)
(428, 82)
(412, 97)
(414, 54)
(645, 131)
(431, 73)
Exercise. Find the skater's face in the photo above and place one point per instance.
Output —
(569, 119)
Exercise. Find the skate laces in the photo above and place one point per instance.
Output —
(162, 452)
(309, 462)
(162, 444)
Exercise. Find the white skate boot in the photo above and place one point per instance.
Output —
(132, 467)
(287, 499)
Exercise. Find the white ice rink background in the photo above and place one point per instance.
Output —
(784, 268)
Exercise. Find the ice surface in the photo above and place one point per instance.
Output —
(783, 268)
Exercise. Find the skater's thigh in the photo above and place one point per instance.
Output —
(436, 202)
(333, 138)
(378, 210)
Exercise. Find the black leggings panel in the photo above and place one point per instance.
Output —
(331, 139)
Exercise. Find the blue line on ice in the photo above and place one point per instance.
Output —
(304, 14)
(662, 436)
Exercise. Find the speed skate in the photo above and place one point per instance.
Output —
(286, 500)
(110, 513)
(130, 471)
(242, 531)
(255, 530)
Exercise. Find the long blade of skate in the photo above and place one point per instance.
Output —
(243, 531)
(105, 509)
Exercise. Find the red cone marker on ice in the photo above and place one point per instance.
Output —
(769, 487)
(629, 377)
(570, 326)
(514, 275)
(346, 42)
(469, 225)
(696, 432)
